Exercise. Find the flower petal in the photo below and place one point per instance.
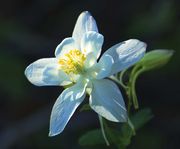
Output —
(91, 42)
(65, 46)
(65, 106)
(104, 67)
(90, 61)
(85, 23)
(45, 72)
(107, 101)
(124, 55)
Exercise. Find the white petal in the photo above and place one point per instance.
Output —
(104, 67)
(124, 54)
(65, 46)
(85, 23)
(90, 60)
(65, 106)
(45, 72)
(107, 101)
(92, 43)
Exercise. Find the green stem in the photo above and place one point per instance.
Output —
(133, 77)
(121, 77)
(118, 81)
(131, 126)
(129, 101)
(103, 130)
(135, 69)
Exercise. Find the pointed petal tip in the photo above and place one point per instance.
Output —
(51, 134)
(86, 12)
(26, 71)
(124, 117)
(84, 23)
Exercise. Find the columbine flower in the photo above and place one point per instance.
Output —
(75, 65)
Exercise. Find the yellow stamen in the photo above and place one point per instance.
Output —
(72, 62)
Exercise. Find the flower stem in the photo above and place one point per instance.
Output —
(131, 126)
(118, 81)
(121, 77)
(129, 101)
(132, 93)
(103, 130)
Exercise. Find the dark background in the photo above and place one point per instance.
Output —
(30, 30)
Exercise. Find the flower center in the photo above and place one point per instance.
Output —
(72, 62)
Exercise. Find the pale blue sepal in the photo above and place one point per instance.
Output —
(65, 46)
(53, 75)
(45, 72)
(85, 23)
(107, 101)
(104, 67)
(92, 42)
(124, 54)
(65, 106)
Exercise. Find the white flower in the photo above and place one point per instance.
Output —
(75, 64)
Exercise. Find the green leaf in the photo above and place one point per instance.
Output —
(141, 118)
(155, 59)
(93, 137)
(126, 134)
(112, 134)
(138, 120)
